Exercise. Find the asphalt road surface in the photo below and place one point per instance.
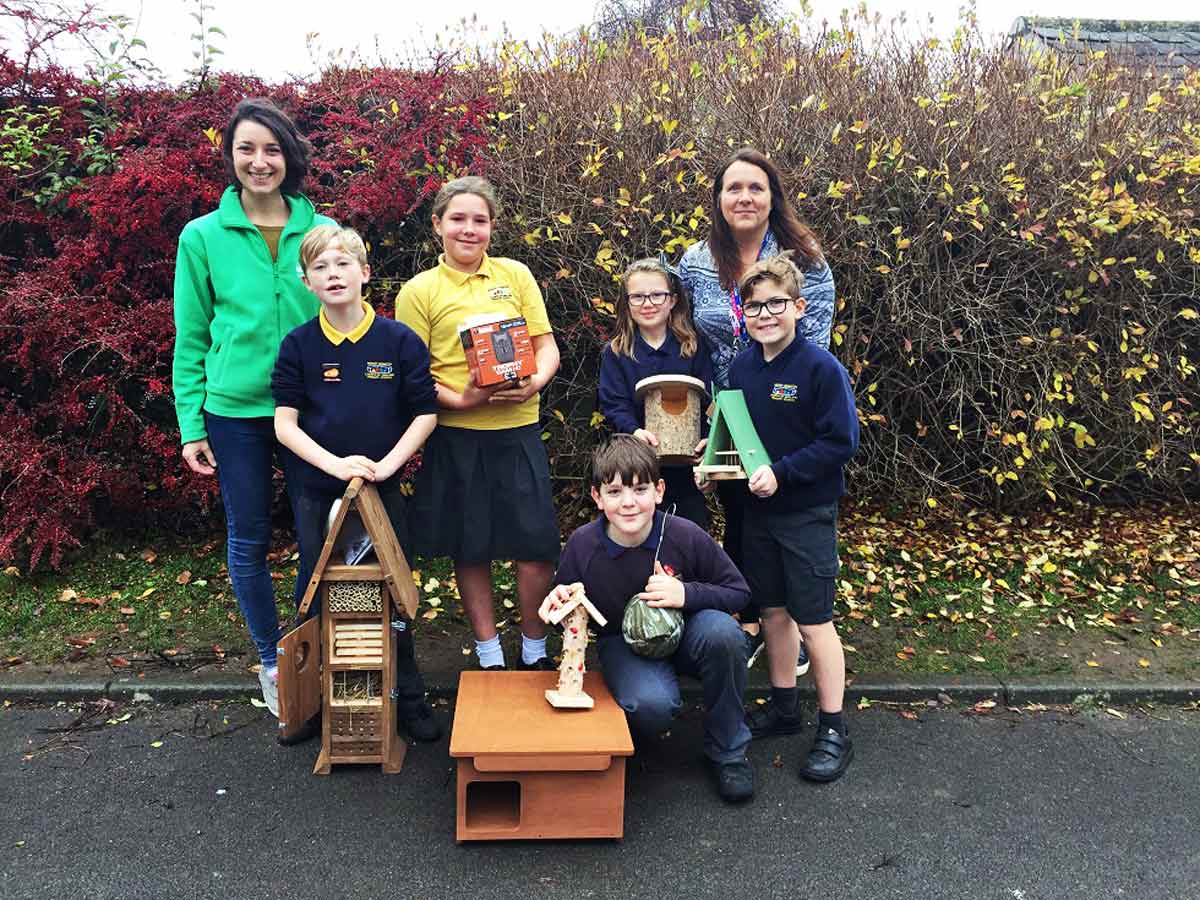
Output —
(198, 801)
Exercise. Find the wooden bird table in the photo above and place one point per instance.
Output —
(528, 771)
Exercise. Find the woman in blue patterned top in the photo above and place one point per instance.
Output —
(752, 219)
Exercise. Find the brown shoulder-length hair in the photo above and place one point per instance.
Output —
(789, 231)
(296, 150)
(680, 321)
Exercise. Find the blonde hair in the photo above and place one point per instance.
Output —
(321, 238)
(469, 184)
(680, 321)
(779, 269)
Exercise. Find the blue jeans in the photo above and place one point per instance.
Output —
(713, 650)
(245, 450)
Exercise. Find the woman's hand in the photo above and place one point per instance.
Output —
(763, 482)
(199, 457)
(663, 589)
(646, 437)
(517, 392)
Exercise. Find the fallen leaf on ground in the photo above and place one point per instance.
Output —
(146, 593)
(184, 577)
(127, 610)
(67, 596)
(261, 704)
(1115, 713)
(156, 744)
(119, 661)
(148, 555)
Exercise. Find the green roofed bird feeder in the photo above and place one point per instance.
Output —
(734, 449)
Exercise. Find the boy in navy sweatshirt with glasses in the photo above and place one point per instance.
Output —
(802, 406)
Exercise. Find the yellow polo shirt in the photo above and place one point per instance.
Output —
(435, 303)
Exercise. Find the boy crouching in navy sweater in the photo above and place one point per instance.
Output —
(353, 398)
(613, 558)
(802, 406)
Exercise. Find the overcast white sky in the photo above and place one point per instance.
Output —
(272, 39)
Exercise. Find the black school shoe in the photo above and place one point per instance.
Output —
(545, 664)
(306, 732)
(735, 780)
(420, 722)
(829, 757)
(767, 719)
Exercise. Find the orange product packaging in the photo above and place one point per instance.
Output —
(498, 351)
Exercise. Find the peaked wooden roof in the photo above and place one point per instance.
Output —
(1163, 45)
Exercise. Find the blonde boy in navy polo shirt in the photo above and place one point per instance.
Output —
(353, 398)
(802, 406)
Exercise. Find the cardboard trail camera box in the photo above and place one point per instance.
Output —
(498, 351)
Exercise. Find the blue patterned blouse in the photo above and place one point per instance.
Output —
(710, 304)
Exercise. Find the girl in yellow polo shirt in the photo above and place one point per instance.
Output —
(483, 492)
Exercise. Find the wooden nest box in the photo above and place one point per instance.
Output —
(673, 405)
(342, 663)
(734, 449)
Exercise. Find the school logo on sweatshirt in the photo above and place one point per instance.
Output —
(785, 392)
(503, 292)
(380, 371)
(331, 372)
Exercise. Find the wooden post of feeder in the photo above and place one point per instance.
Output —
(673, 406)
(575, 612)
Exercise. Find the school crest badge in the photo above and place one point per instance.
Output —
(784, 392)
(380, 371)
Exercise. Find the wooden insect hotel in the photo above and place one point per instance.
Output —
(570, 694)
(342, 663)
(734, 449)
(674, 405)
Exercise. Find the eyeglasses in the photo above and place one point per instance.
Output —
(656, 298)
(774, 306)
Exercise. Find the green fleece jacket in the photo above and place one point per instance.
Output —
(233, 307)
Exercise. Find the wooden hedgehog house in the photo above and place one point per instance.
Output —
(527, 768)
(341, 664)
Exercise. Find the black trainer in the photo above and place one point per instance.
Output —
(545, 664)
(802, 662)
(767, 719)
(420, 722)
(735, 780)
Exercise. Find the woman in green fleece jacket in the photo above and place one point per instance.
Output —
(237, 294)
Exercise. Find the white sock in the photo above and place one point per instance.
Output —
(532, 650)
(490, 652)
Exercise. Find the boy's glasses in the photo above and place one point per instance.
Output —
(774, 306)
(656, 298)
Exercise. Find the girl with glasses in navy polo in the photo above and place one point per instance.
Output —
(654, 336)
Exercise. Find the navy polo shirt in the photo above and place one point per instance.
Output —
(803, 409)
(619, 376)
(355, 397)
(612, 574)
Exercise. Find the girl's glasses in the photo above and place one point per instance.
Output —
(656, 298)
(774, 306)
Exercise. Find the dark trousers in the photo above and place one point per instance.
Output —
(681, 490)
(713, 649)
(733, 497)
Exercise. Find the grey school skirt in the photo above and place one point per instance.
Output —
(484, 495)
